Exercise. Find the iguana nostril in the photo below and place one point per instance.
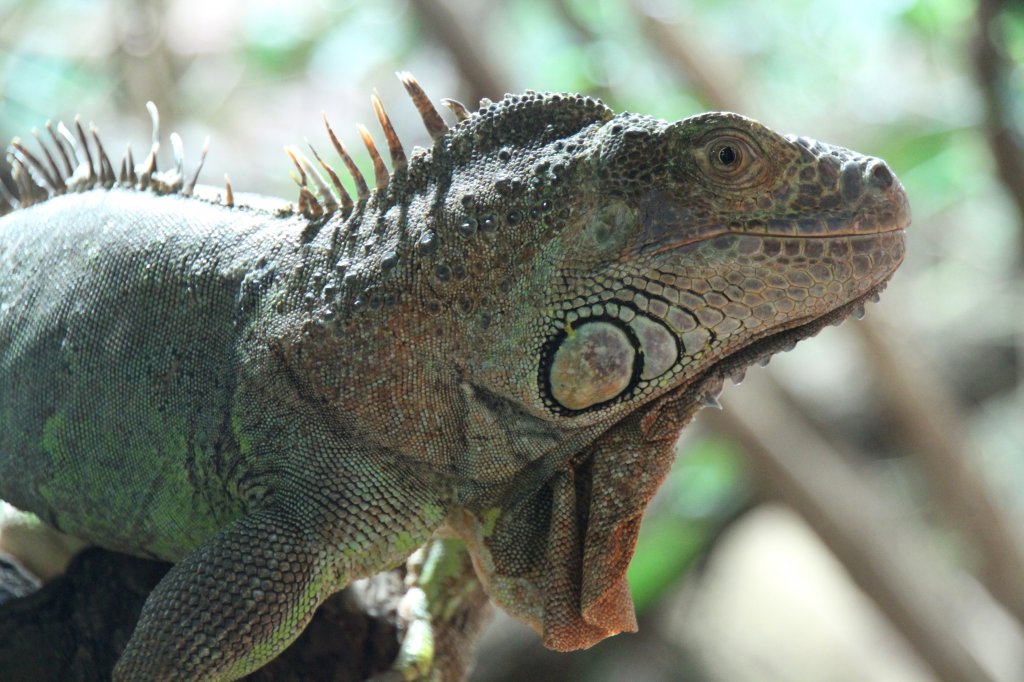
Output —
(881, 176)
(851, 181)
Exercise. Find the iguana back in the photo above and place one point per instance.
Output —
(122, 324)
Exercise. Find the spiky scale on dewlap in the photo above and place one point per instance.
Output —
(503, 337)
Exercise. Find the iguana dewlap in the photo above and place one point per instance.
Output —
(504, 338)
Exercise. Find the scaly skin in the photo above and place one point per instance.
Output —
(503, 339)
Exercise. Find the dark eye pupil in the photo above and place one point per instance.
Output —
(727, 155)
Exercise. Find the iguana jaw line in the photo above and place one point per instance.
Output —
(705, 387)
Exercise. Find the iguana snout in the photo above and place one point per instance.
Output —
(738, 177)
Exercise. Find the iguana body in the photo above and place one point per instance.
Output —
(503, 339)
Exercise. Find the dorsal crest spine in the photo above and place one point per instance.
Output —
(76, 161)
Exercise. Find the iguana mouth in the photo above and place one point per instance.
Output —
(853, 226)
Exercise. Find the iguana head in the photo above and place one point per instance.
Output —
(675, 246)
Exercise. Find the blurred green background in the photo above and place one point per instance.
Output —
(854, 513)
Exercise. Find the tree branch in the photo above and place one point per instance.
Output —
(891, 565)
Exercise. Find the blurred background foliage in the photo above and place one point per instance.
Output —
(897, 441)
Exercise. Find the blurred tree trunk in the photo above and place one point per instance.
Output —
(992, 68)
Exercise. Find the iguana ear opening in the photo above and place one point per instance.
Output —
(558, 559)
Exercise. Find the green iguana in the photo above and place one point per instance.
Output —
(501, 341)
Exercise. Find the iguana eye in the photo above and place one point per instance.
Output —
(730, 159)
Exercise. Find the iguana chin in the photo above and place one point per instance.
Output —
(501, 341)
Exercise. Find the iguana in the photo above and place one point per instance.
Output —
(501, 341)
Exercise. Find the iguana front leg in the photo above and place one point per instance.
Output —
(234, 603)
(237, 600)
